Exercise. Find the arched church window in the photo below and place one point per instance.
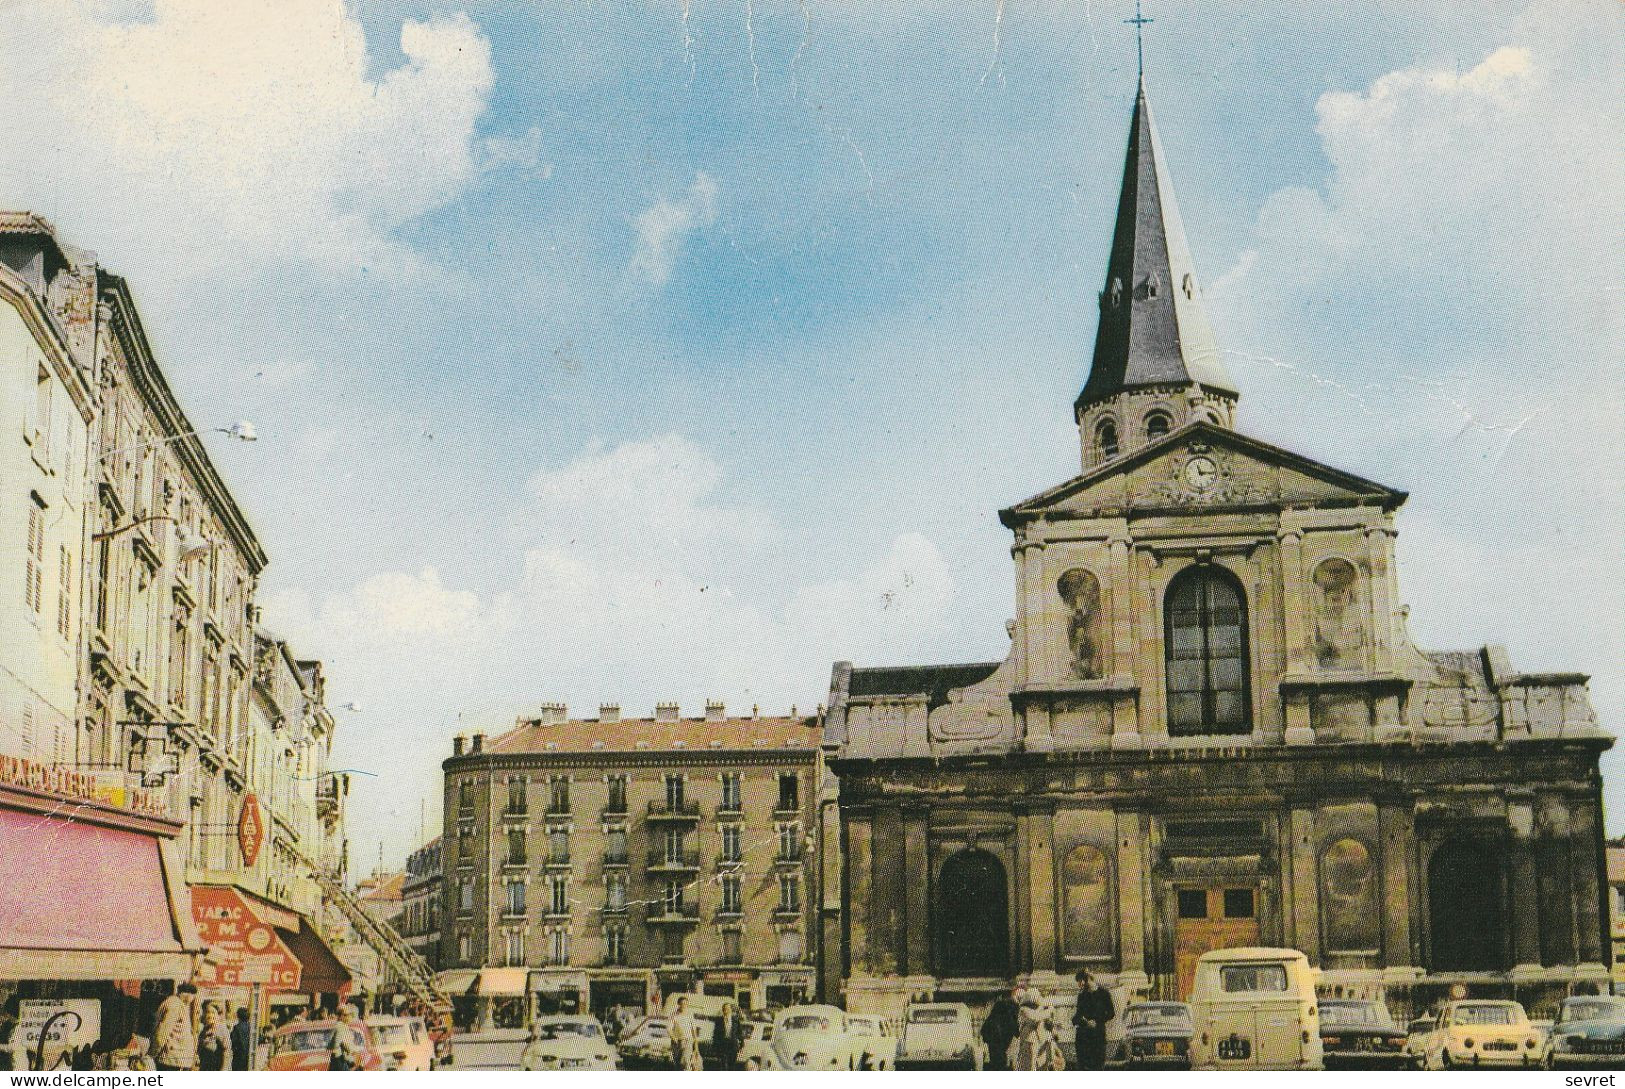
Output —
(1339, 639)
(1081, 592)
(1106, 439)
(1157, 424)
(1205, 648)
(1086, 882)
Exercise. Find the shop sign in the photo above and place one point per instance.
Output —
(243, 947)
(729, 977)
(66, 1023)
(250, 829)
(71, 783)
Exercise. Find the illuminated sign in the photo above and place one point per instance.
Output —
(250, 829)
(72, 783)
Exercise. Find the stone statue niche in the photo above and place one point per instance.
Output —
(1339, 635)
(1081, 592)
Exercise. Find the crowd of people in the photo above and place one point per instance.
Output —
(1020, 1035)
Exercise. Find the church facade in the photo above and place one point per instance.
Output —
(1211, 729)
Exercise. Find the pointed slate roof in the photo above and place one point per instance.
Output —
(1152, 329)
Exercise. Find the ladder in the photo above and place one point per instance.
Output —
(401, 959)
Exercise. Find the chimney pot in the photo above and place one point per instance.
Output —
(457, 745)
(552, 713)
(476, 744)
(609, 712)
(715, 711)
(665, 712)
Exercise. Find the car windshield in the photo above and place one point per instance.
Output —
(1421, 1024)
(1250, 978)
(930, 1016)
(1170, 1016)
(1484, 1015)
(316, 1039)
(390, 1035)
(806, 1022)
(566, 1030)
(1592, 1009)
(1354, 1013)
(860, 1027)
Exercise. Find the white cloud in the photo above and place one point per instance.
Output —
(663, 228)
(213, 134)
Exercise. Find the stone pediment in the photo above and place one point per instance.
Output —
(1202, 467)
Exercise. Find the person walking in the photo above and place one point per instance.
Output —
(212, 1042)
(728, 1037)
(1002, 1024)
(242, 1041)
(1090, 1016)
(344, 1050)
(174, 1040)
(685, 1039)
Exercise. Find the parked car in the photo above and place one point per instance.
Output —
(1589, 1032)
(876, 1040)
(940, 1035)
(1255, 1009)
(1155, 1034)
(754, 1053)
(404, 1042)
(647, 1046)
(1479, 1032)
(813, 1037)
(1417, 1033)
(304, 1045)
(567, 1042)
(1356, 1034)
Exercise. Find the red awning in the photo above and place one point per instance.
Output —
(84, 901)
(323, 973)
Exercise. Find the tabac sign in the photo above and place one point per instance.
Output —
(250, 829)
(244, 947)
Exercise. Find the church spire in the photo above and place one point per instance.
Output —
(1156, 365)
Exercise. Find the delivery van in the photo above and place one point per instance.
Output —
(1255, 1009)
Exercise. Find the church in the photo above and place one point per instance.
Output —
(1211, 729)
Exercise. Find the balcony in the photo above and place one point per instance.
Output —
(515, 862)
(613, 812)
(787, 810)
(787, 911)
(730, 913)
(673, 914)
(615, 911)
(727, 861)
(673, 861)
(730, 811)
(559, 916)
(688, 812)
(789, 859)
(558, 810)
(516, 813)
(558, 862)
(613, 859)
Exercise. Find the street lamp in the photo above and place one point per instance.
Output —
(242, 431)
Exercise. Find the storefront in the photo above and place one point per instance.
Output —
(621, 995)
(486, 998)
(95, 921)
(558, 990)
(262, 954)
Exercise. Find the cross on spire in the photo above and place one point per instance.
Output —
(1138, 22)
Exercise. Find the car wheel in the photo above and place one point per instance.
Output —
(753, 1063)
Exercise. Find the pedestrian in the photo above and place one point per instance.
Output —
(1000, 1028)
(174, 1040)
(242, 1041)
(685, 1040)
(728, 1037)
(1089, 1019)
(212, 1041)
(344, 1049)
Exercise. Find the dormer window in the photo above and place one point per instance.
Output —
(1106, 440)
(1157, 424)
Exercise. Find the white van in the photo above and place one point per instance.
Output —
(1255, 1009)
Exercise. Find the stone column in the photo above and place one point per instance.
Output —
(1041, 892)
(1018, 552)
(1588, 890)
(1131, 902)
(1020, 897)
(1525, 896)
(887, 905)
(860, 887)
(916, 892)
(1148, 650)
(1304, 910)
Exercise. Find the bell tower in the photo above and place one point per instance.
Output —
(1156, 365)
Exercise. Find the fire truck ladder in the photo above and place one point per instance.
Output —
(401, 959)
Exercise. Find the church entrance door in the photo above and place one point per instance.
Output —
(973, 916)
(1208, 918)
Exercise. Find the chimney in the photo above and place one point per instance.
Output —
(457, 745)
(609, 712)
(476, 744)
(715, 711)
(552, 713)
(665, 712)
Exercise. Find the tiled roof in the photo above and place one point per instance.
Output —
(646, 734)
(388, 889)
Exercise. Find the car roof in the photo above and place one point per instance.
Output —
(567, 1018)
(813, 1008)
(1253, 952)
(391, 1019)
(1485, 1002)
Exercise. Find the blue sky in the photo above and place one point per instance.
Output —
(602, 355)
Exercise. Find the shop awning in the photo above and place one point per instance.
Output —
(83, 900)
(323, 973)
(483, 982)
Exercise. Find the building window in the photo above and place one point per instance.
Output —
(1157, 424)
(1106, 440)
(465, 798)
(789, 793)
(615, 847)
(465, 948)
(673, 900)
(465, 895)
(558, 796)
(674, 845)
(513, 951)
(674, 792)
(617, 794)
(1193, 903)
(732, 902)
(672, 944)
(64, 587)
(789, 892)
(465, 845)
(790, 842)
(559, 951)
(731, 843)
(1206, 653)
(731, 793)
(558, 846)
(516, 797)
(34, 560)
(559, 896)
(615, 945)
(789, 947)
(615, 892)
(516, 898)
(733, 947)
(516, 847)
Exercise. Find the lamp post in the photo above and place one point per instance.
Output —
(242, 431)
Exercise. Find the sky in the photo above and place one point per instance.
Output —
(674, 351)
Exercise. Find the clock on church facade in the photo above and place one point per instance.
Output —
(1211, 729)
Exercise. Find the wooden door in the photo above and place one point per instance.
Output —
(1208, 918)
